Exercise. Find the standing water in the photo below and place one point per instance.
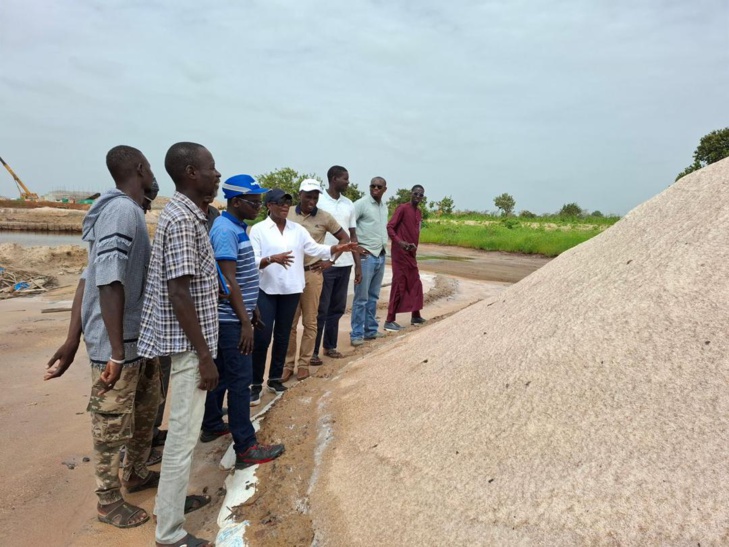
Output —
(34, 239)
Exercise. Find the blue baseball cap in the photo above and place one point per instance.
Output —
(240, 185)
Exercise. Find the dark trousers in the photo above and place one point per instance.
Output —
(332, 303)
(277, 313)
(235, 371)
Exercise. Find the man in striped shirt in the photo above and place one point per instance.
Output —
(237, 262)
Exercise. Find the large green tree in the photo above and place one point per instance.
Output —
(289, 179)
(506, 203)
(712, 148)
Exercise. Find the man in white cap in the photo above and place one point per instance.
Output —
(318, 223)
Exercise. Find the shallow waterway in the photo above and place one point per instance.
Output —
(35, 239)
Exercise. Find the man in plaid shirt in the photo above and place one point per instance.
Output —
(180, 319)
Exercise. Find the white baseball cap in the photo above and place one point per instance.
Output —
(308, 185)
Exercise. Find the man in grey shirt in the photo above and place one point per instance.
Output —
(371, 214)
(125, 388)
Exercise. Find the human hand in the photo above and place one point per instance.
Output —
(350, 247)
(321, 266)
(245, 345)
(284, 259)
(208, 373)
(357, 276)
(109, 376)
(256, 321)
(61, 360)
(405, 246)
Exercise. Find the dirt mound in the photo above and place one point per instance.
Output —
(587, 404)
(47, 260)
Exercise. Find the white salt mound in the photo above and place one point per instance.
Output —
(588, 405)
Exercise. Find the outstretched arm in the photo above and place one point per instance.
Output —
(65, 355)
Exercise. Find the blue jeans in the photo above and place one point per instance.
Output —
(235, 371)
(277, 313)
(366, 295)
(332, 303)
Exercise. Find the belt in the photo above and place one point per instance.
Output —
(308, 268)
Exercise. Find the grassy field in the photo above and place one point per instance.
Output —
(544, 236)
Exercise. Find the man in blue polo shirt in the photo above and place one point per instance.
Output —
(236, 261)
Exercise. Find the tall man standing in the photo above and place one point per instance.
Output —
(372, 233)
(180, 319)
(237, 262)
(333, 299)
(406, 293)
(107, 308)
(318, 223)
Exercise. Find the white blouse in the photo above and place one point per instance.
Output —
(268, 240)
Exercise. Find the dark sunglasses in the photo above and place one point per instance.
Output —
(254, 204)
(377, 186)
(282, 202)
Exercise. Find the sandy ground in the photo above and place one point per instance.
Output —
(48, 495)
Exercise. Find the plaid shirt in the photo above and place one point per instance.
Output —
(181, 247)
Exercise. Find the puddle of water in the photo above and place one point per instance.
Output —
(445, 257)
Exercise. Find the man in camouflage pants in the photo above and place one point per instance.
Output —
(125, 391)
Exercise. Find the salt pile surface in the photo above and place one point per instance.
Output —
(588, 404)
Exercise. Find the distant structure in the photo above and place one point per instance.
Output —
(70, 196)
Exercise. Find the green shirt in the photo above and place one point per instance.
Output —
(371, 224)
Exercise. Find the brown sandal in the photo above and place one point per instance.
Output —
(122, 515)
(316, 361)
(333, 353)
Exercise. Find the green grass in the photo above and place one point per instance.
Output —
(513, 237)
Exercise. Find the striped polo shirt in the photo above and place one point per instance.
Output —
(230, 242)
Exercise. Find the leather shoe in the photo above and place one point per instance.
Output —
(287, 374)
(302, 373)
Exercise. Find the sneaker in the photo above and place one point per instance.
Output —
(376, 336)
(392, 326)
(356, 342)
(256, 395)
(208, 436)
(258, 453)
(275, 386)
(417, 321)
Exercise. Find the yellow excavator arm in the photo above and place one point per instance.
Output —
(22, 188)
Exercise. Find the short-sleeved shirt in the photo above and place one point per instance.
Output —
(342, 210)
(230, 242)
(118, 252)
(371, 224)
(181, 247)
(318, 223)
(268, 240)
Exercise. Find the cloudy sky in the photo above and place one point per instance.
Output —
(600, 102)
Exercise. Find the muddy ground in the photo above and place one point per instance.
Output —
(48, 495)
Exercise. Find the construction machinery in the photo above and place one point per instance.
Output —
(25, 193)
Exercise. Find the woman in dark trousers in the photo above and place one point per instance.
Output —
(280, 247)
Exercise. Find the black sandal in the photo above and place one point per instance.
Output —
(151, 481)
(122, 514)
(193, 503)
(188, 541)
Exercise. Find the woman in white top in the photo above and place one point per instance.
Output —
(280, 246)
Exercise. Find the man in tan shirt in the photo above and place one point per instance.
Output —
(318, 223)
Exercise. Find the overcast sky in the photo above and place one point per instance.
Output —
(600, 102)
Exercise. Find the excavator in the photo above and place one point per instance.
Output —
(25, 193)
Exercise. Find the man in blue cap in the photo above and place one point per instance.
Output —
(236, 314)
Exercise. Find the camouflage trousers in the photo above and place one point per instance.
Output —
(123, 416)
